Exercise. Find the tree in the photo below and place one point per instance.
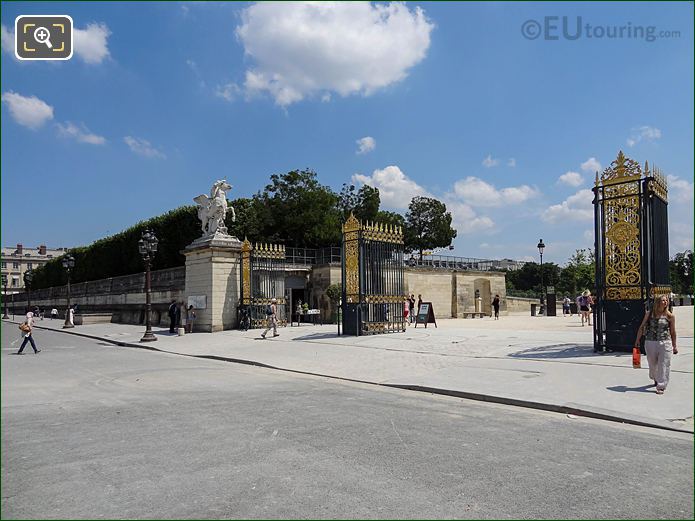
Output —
(578, 274)
(428, 225)
(681, 272)
(363, 203)
(299, 211)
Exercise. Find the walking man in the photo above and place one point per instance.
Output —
(271, 314)
(26, 328)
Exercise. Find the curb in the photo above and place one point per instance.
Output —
(570, 408)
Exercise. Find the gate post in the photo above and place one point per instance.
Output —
(212, 271)
(631, 249)
(352, 229)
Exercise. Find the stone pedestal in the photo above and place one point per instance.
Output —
(479, 305)
(213, 270)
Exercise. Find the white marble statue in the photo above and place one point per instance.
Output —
(212, 209)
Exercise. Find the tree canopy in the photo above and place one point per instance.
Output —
(427, 225)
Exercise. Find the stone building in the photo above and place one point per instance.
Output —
(16, 261)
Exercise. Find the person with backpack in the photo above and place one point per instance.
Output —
(26, 328)
(271, 311)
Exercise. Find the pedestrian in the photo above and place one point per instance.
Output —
(583, 304)
(659, 330)
(54, 313)
(419, 302)
(172, 316)
(190, 318)
(406, 310)
(71, 316)
(26, 327)
(411, 307)
(177, 316)
(566, 308)
(271, 313)
(496, 306)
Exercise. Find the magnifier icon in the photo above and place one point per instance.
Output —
(43, 35)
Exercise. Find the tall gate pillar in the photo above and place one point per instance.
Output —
(631, 249)
(212, 271)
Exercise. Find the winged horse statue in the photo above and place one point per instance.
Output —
(213, 209)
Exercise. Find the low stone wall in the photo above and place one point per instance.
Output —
(123, 298)
(523, 305)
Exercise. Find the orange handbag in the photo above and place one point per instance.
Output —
(636, 358)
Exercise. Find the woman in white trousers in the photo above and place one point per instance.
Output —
(659, 328)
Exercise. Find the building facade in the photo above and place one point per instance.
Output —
(16, 262)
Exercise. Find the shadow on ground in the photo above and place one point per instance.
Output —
(557, 351)
(625, 389)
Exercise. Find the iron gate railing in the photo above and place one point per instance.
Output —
(373, 278)
(631, 249)
(263, 269)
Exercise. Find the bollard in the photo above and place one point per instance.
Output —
(533, 310)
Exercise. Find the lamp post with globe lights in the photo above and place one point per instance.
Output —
(68, 264)
(541, 247)
(28, 277)
(4, 296)
(147, 246)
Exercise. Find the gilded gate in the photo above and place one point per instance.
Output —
(263, 278)
(373, 278)
(631, 249)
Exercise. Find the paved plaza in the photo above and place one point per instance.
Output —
(93, 430)
(541, 362)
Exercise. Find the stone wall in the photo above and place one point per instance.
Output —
(452, 293)
(122, 297)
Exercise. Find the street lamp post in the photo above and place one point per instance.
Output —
(68, 264)
(4, 296)
(148, 247)
(541, 247)
(28, 277)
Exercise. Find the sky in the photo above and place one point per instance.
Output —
(489, 107)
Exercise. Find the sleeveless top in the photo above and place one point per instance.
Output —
(658, 329)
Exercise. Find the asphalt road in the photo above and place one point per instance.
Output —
(92, 430)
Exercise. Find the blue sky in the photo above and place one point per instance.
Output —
(161, 99)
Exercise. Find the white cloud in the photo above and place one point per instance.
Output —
(81, 134)
(465, 220)
(571, 178)
(577, 207)
(489, 161)
(305, 49)
(643, 133)
(395, 188)
(30, 112)
(511, 162)
(679, 190)
(591, 165)
(7, 40)
(143, 147)
(477, 192)
(91, 44)
(229, 91)
(680, 237)
(366, 144)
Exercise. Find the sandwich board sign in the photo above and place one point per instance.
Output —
(425, 315)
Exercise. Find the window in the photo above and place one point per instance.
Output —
(14, 282)
(4, 265)
(15, 265)
(29, 265)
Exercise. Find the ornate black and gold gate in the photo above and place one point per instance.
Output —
(631, 248)
(373, 278)
(262, 278)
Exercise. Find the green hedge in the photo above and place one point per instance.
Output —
(118, 255)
